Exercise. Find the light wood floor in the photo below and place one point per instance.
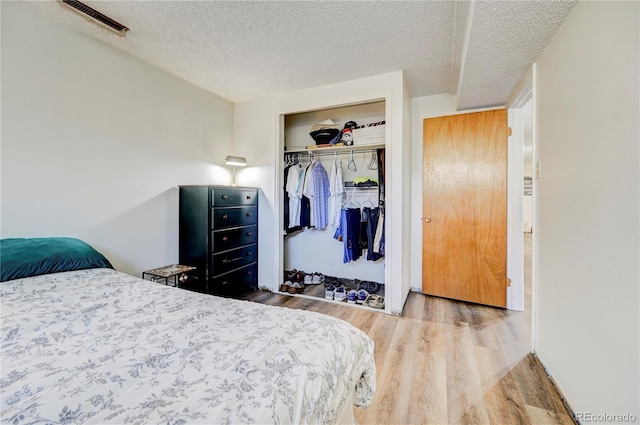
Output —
(448, 362)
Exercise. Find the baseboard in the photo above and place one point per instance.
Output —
(556, 387)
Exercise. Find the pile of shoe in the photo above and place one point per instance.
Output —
(314, 279)
(341, 293)
(293, 283)
(297, 279)
(292, 287)
(336, 293)
(353, 291)
(357, 284)
(371, 287)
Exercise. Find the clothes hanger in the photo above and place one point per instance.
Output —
(351, 165)
(364, 164)
(353, 202)
(346, 199)
(373, 163)
(368, 200)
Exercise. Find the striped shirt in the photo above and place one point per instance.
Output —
(318, 193)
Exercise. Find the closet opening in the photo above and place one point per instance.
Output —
(334, 193)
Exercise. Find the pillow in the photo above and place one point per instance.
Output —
(21, 257)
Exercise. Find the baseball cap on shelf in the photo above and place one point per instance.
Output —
(324, 131)
(325, 125)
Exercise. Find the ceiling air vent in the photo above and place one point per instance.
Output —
(95, 16)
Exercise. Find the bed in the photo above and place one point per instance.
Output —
(94, 345)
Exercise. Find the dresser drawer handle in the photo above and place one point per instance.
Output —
(231, 260)
(249, 254)
(225, 239)
(248, 214)
(249, 233)
(225, 282)
(224, 196)
(224, 217)
(248, 196)
(249, 273)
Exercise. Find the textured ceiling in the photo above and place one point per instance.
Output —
(243, 50)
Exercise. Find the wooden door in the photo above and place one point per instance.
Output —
(464, 230)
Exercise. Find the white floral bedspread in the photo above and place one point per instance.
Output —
(98, 346)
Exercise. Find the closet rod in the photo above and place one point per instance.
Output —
(347, 151)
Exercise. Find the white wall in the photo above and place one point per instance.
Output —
(95, 142)
(261, 142)
(587, 208)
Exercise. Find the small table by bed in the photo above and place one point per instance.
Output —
(175, 274)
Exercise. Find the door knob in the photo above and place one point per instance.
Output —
(427, 219)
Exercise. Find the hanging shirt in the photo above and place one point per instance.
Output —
(378, 241)
(336, 187)
(305, 210)
(294, 199)
(286, 198)
(348, 232)
(318, 193)
(308, 191)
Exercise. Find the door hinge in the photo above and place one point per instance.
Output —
(508, 283)
(509, 132)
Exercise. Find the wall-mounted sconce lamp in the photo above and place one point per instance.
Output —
(235, 161)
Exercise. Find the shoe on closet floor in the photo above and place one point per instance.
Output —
(349, 283)
(291, 274)
(308, 279)
(340, 294)
(295, 275)
(296, 288)
(362, 296)
(330, 292)
(285, 286)
(369, 300)
(376, 301)
(317, 278)
(373, 287)
(352, 296)
(330, 280)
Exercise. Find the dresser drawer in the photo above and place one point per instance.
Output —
(229, 260)
(223, 240)
(226, 197)
(230, 217)
(240, 279)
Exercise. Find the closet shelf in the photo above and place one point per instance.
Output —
(361, 187)
(354, 148)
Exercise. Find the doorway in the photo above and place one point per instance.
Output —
(528, 202)
(464, 249)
